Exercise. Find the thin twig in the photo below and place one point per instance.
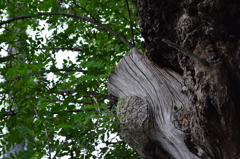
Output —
(108, 142)
(15, 19)
(203, 62)
(65, 70)
(131, 23)
(72, 101)
(93, 21)
(132, 153)
(47, 135)
(84, 10)
(59, 48)
(117, 12)
(12, 113)
(6, 58)
(70, 151)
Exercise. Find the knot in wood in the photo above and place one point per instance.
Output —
(133, 112)
(133, 115)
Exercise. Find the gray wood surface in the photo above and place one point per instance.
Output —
(159, 90)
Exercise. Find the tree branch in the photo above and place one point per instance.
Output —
(73, 111)
(130, 19)
(104, 27)
(70, 151)
(59, 48)
(72, 101)
(7, 58)
(67, 91)
(91, 20)
(203, 62)
(117, 12)
(84, 9)
(65, 70)
(132, 153)
(47, 135)
(15, 19)
(12, 113)
(108, 142)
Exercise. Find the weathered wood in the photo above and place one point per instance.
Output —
(193, 114)
(158, 92)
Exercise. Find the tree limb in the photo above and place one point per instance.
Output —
(7, 58)
(15, 19)
(73, 111)
(72, 101)
(117, 12)
(108, 142)
(12, 113)
(187, 52)
(131, 23)
(104, 27)
(70, 151)
(91, 20)
(59, 48)
(65, 70)
(47, 135)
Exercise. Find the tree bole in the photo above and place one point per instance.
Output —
(192, 110)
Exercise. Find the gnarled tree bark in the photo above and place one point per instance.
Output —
(182, 103)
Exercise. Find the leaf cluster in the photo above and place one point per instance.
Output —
(62, 110)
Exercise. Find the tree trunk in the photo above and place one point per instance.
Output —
(181, 100)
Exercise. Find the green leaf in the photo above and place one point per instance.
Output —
(34, 83)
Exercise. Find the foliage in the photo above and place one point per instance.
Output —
(66, 114)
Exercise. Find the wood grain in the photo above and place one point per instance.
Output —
(161, 89)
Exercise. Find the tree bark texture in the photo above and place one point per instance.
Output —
(174, 105)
